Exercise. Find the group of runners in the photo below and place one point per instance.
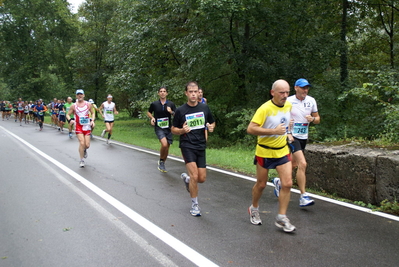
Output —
(281, 125)
(79, 116)
(24, 111)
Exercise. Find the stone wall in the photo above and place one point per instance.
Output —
(358, 174)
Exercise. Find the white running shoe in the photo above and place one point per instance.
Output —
(195, 210)
(82, 164)
(305, 201)
(103, 133)
(184, 176)
(284, 224)
(277, 186)
(254, 216)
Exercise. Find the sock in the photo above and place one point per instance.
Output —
(194, 201)
(109, 136)
(281, 216)
(253, 208)
(162, 160)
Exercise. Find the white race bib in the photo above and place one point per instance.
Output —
(196, 120)
(163, 122)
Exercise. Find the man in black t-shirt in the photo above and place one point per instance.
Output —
(189, 122)
(162, 109)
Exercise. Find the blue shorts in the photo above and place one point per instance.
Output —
(271, 163)
(193, 155)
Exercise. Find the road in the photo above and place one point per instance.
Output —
(121, 211)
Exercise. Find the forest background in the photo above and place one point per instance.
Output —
(235, 49)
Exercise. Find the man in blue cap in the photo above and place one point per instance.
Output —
(304, 111)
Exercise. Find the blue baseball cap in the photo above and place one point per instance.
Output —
(80, 91)
(302, 83)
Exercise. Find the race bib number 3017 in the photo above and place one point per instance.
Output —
(196, 120)
(163, 122)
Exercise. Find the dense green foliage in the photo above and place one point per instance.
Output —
(235, 49)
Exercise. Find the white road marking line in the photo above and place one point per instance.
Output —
(168, 239)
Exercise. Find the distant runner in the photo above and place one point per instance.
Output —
(109, 108)
(84, 121)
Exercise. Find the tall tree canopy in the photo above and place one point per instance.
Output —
(35, 38)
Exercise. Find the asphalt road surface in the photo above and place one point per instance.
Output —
(121, 211)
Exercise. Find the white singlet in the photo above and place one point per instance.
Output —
(299, 110)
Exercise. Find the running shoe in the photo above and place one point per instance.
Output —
(59, 129)
(284, 224)
(82, 164)
(103, 133)
(85, 153)
(161, 166)
(305, 201)
(195, 210)
(70, 135)
(107, 141)
(277, 186)
(184, 176)
(254, 216)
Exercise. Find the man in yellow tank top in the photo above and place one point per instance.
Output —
(271, 123)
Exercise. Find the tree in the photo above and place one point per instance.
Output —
(90, 50)
(35, 38)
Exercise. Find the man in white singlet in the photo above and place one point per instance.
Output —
(109, 108)
(84, 121)
(304, 112)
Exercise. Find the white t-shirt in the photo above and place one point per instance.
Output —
(108, 111)
(301, 108)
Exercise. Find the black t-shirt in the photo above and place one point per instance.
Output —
(197, 117)
(61, 108)
(160, 111)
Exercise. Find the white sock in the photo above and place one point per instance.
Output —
(281, 216)
(194, 201)
(253, 208)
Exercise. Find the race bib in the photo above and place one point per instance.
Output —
(20, 108)
(109, 112)
(40, 113)
(62, 112)
(163, 122)
(301, 128)
(196, 120)
(84, 120)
